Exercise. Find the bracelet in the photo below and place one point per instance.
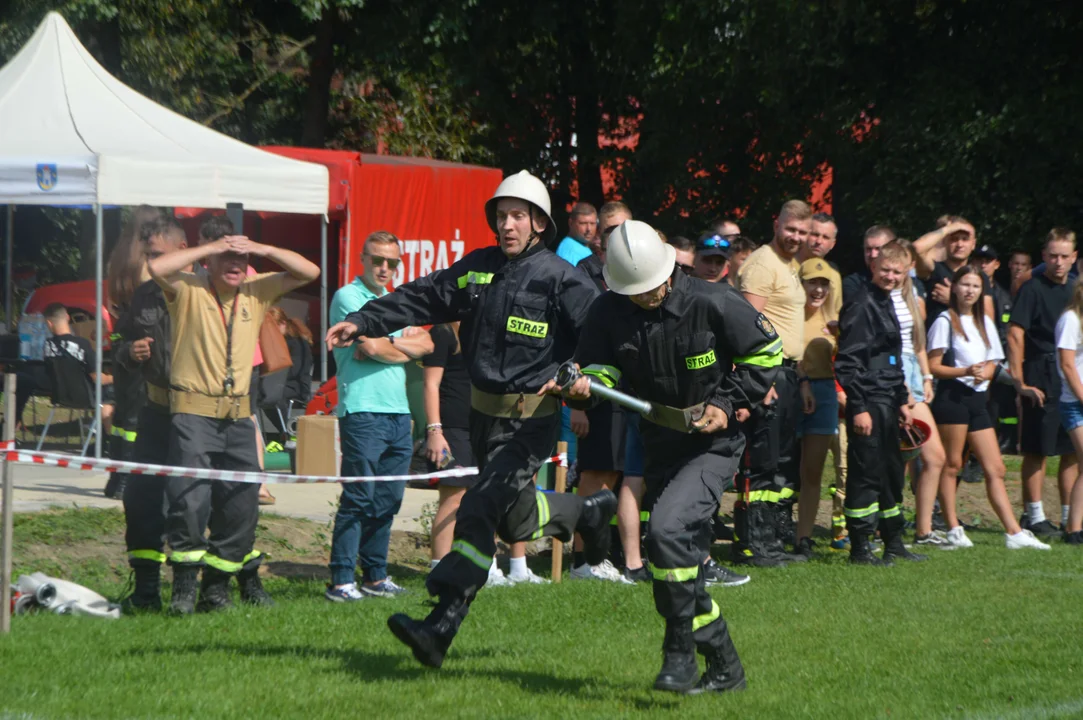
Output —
(433, 427)
(926, 377)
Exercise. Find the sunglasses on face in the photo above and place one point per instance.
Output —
(377, 261)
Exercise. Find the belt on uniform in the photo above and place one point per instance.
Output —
(158, 395)
(222, 407)
(513, 405)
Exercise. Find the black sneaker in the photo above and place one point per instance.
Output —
(640, 575)
(715, 574)
(1041, 529)
(1074, 538)
(972, 472)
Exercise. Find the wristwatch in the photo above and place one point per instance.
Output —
(391, 339)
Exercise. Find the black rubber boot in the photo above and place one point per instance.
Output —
(724, 670)
(147, 595)
(679, 671)
(185, 584)
(593, 525)
(861, 552)
(895, 549)
(214, 591)
(775, 517)
(785, 527)
(751, 537)
(252, 592)
(429, 639)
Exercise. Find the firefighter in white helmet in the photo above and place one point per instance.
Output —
(685, 343)
(521, 308)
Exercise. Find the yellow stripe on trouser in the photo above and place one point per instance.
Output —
(472, 554)
(675, 574)
(890, 512)
(706, 619)
(152, 555)
(192, 556)
(543, 514)
(787, 493)
(228, 566)
(764, 496)
(863, 512)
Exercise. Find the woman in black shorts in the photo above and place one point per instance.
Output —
(963, 353)
(447, 445)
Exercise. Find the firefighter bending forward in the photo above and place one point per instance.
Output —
(521, 308)
(674, 339)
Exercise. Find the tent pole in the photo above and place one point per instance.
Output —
(9, 288)
(98, 327)
(323, 297)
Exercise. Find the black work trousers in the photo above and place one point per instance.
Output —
(773, 462)
(504, 501)
(876, 473)
(229, 510)
(144, 495)
(683, 500)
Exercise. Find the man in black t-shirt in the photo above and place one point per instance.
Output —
(876, 237)
(64, 343)
(1032, 356)
(940, 254)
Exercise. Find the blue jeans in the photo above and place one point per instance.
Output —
(372, 444)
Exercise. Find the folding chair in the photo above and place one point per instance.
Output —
(72, 390)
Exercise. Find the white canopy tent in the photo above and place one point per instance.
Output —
(73, 135)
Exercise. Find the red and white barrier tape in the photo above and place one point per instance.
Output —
(88, 463)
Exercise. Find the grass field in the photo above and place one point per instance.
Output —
(985, 633)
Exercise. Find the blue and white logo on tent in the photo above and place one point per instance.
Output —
(46, 176)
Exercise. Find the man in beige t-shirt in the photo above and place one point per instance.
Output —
(770, 280)
(215, 326)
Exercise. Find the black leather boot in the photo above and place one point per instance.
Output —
(679, 671)
(429, 639)
(214, 591)
(185, 584)
(593, 525)
(861, 551)
(895, 549)
(775, 517)
(252, 591)
(724, 670)
(750, 543)
(147, 595)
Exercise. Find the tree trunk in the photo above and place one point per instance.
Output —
(318, 94)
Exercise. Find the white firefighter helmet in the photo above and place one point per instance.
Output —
(523, 186)
(637, 260)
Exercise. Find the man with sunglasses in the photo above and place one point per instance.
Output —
(374, 425)
(521, 309)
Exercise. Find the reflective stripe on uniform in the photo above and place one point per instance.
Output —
(764, 496)
(698, 362)
(1009, 421)
(472, 554)
(530, 328)
(606, 373)
(126, 435)
(862, 512)
(644, 516)
(543, 514)
(706, 619)
(890, 512)
(787, 493)
(222, 564)
(192, 556)
(152, 555)
(478, 278)
(768, 356)
(675, 574)
(251, 556)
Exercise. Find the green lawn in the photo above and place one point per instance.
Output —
(976, 634)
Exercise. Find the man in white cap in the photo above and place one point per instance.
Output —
(681, 342)
(521, 308)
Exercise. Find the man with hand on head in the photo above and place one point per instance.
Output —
(215, 328)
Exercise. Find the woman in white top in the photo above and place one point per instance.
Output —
(1069, 339)
(963, 353)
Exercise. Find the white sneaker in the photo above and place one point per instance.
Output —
(528, 577)
(957, 538)
(602, 571)
(1024, 539)
(497, 578)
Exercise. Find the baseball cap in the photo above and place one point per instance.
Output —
(985, 252)
(815, 268)
(713, 245)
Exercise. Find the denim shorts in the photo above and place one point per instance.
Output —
(914, 381)
(825, 419)
(1071, 415)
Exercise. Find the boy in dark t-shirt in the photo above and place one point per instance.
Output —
(64, 343)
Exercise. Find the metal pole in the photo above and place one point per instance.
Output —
(9, 287)
(323, 297)
(9, 507)
(99, 250)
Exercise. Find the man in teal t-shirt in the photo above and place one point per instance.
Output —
(374, 427)
(582, 230)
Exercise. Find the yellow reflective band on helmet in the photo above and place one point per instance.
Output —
(472, 554)
(152, 555)
(478, 278)
(698, 362)
(768, 356)
(193, 556)
(606, 373)
(543, 514)
(862, 512)
(126, 435)
(529, 328)
(220, 564)
(675, 574)
(706, 619)
(890, 512)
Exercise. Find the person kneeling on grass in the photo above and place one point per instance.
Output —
(869, 368)
(963, 355)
